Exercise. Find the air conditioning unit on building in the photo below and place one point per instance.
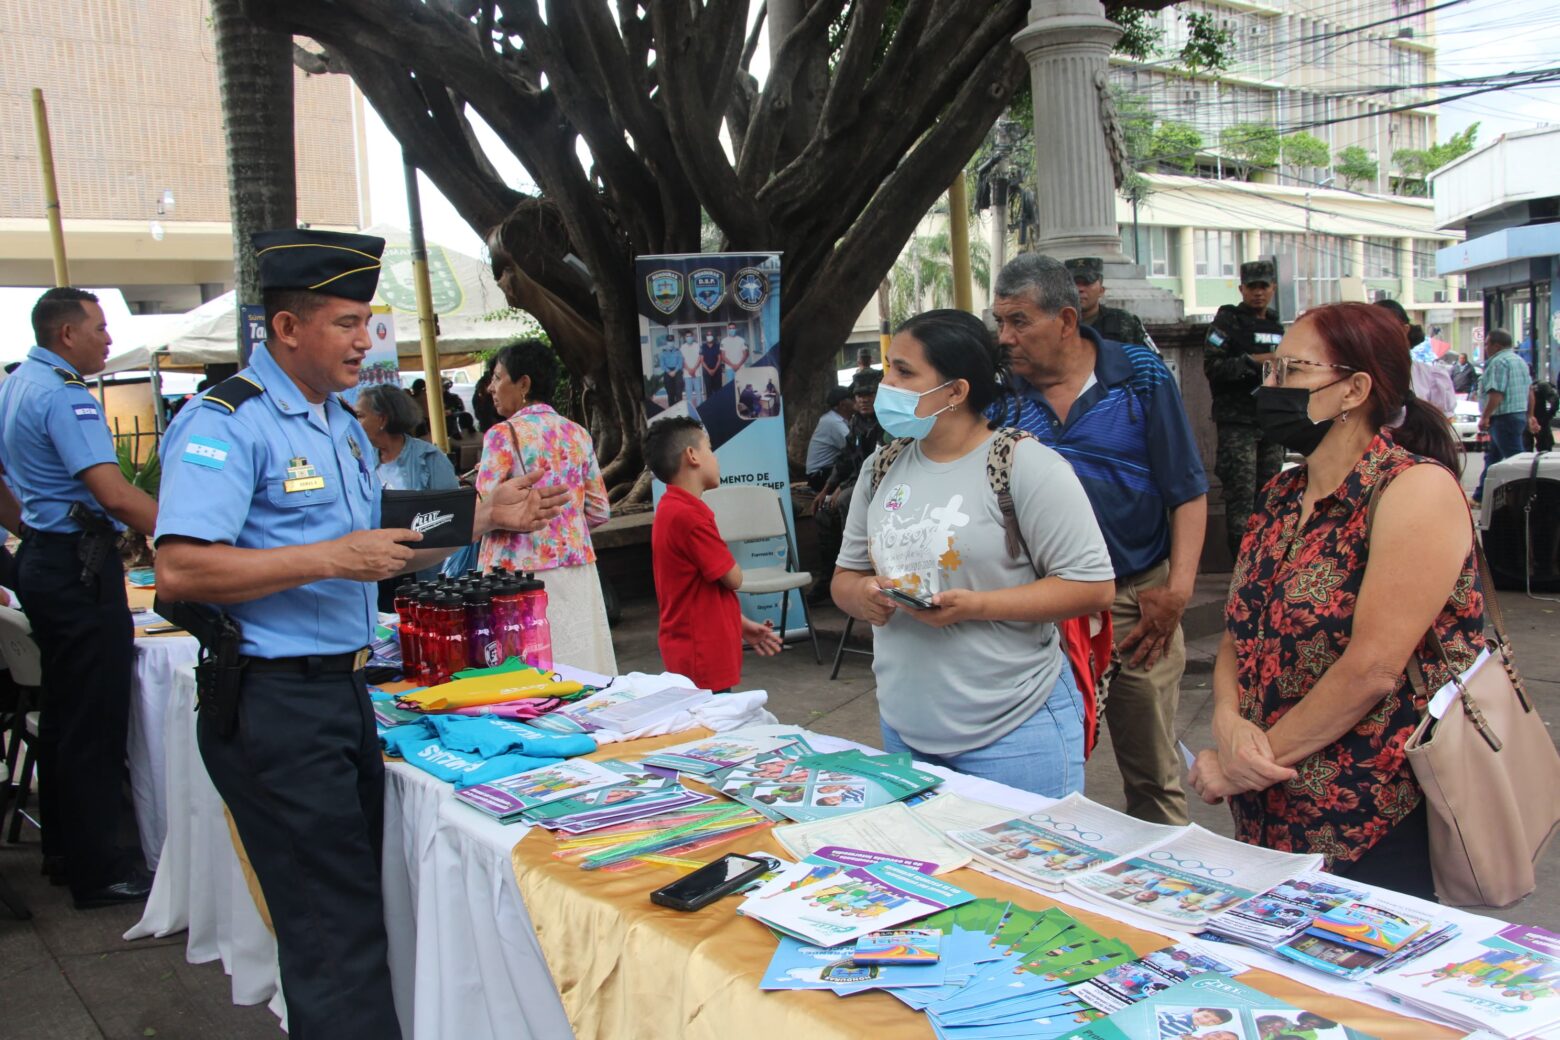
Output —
(1377, 295)
(1442, 296)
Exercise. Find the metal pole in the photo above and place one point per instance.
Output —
(425, 322)
(959, 243)
(158, 422)
(51, 191)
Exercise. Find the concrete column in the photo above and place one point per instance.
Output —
(1406, 271)
(1250, 246)
(1357, 256)
(1067, 44)
(1187, 252)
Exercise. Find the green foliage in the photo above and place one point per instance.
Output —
(147, 476)
(1303, 149)
(1416, 164)
(926, 264)
(1355, 166)
(1250, 146)
(1175, 144)
(1140, 32)
(1207, 47)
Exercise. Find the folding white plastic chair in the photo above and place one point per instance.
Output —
(753, 514)
(25, 664)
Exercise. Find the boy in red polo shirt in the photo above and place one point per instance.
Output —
(702, 628)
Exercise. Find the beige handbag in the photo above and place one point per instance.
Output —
(1489, 771)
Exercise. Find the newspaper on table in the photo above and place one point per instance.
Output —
(1061, 841)
(1190, 877)
(914, 831)
(1508, 983)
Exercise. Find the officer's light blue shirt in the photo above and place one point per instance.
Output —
(50, 431)
(671, 358)
(226, 479)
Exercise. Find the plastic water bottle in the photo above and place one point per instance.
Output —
(538, 631)
(483, 648)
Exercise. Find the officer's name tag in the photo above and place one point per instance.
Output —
(303, 484)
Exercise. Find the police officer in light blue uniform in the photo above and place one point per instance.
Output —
(270, 505)
(59, 456)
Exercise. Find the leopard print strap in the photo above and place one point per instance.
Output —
(999, 474)
(884, 459)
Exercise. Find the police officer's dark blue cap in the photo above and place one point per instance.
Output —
(335, 263)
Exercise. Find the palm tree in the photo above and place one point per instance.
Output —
(922, 278)
(255, 78)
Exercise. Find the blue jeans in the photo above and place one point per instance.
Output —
(1044, 755)
(1505, 441)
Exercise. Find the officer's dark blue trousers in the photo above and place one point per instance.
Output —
(87, 643)
(304, 780)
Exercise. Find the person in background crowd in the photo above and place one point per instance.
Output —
(829, 435)
(59, 456)
(406, 463)
(1240, 337)
(299, 765)
(710, 365)
(482, 405)
(1465, 378)
(1432, 383)
(863, 362)
(1312, 702)
(535, 437)
(832, 502)
(1115, 413)
(1543, 399)
(976, 681)
(1113, 323)
(671, 364)
(1504, 405)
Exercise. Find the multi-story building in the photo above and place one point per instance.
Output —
(136, 124)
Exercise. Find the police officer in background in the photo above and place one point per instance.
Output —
(1088, 273)
(270, 505)
(59, 456)
(1240, 337)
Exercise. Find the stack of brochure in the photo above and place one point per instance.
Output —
(912, 828)
(710, 755)
(626, 710)
(1507, 984)
(578, 796)
(1209, 1006)
(794, 782)
(1268, 920)
(1364, 936)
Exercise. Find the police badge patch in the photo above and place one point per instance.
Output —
(707, 287)
(665, 289)
(750, 288)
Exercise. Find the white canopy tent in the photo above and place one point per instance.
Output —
(464, 297)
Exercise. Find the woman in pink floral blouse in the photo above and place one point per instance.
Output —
(561, 554)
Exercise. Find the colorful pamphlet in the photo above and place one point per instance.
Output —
(1508, 983)
(1152, 973)
(812, 787)
(1189, 878)
(1062, 841)
(1212, 1007)
(855, 903)
(899, 946)
(510, 796)
(710, 755)
(1354, 938)
(916, 831)
(1268, 920)
(798, 965)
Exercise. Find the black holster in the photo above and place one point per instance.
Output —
(219, 673)
(98, 539)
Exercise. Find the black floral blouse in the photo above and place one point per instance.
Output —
(1291, 613)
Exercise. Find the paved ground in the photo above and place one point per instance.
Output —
(67, 975)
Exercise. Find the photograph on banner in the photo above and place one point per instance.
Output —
(381, 365)
(709, 344)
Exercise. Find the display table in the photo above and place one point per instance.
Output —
(157, 660)
(626, 968)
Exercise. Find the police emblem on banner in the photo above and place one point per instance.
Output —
(665, 289)
(707, 287)
(750, 288)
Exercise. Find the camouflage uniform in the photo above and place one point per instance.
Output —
(1121, 326)
(1244, 462)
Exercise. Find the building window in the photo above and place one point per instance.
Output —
(1424, 257)
(1217, 253)
(1381, 258)
(1158, 250)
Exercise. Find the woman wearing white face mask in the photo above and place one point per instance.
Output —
(976, 680)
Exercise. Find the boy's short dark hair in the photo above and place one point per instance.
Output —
(665, 442)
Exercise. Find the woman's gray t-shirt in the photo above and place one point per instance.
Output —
(936, 525)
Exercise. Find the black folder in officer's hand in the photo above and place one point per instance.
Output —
(444, 518)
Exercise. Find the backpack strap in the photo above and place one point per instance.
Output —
(883, 460)
(999, 473)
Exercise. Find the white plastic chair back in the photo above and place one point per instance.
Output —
(18, 650)
(746, 514)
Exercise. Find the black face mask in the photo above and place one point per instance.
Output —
(1284, 416)
(1416, 335)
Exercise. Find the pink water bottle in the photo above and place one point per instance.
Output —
(508, 617)
(406, 612)
(538, 632)
(483, 647)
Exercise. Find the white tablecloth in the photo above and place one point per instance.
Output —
(157, 658)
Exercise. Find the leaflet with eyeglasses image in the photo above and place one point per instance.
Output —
(1189, 878)
(1061, 841)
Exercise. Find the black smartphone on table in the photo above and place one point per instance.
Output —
(710, 882)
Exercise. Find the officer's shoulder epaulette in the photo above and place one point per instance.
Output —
(232, 392)
(70, 378)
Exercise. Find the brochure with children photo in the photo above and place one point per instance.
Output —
(1269, 919)
(515, 794)
(858, 902)
(1508, 983)
(710, 755)
(1212, 1007)
(1150, 974)
(798, 965)
(1062, 841)
(1190, 878)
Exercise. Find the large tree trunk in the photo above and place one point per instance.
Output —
(255, 75)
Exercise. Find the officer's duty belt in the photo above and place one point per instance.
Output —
(352, 661)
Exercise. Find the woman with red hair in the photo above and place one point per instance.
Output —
(1312, 704)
